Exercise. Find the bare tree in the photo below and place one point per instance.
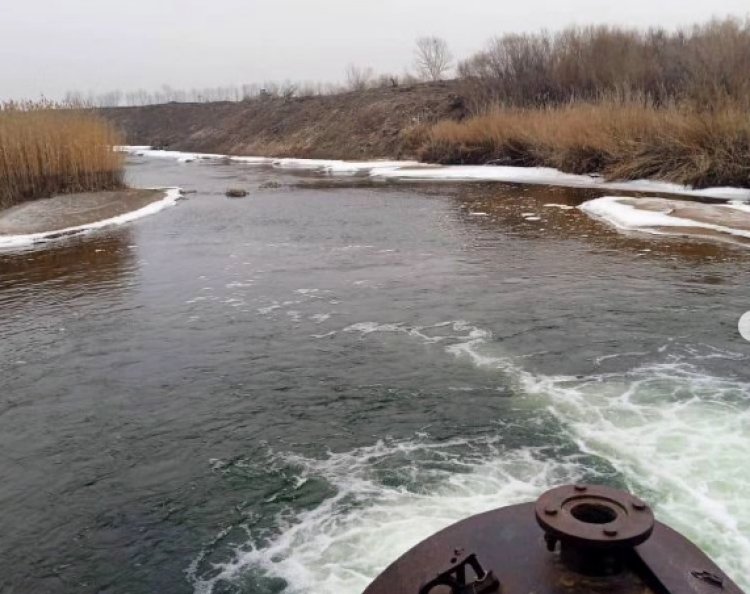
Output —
(74, 99)
(358, 79)
(289, 89)
(433, 59)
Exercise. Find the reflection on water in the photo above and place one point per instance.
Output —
(93, 262)
(548, 213)
(281, 393)
(542, 213)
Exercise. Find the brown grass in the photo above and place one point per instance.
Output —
(621, 140)
(627, 103)
(45, 150)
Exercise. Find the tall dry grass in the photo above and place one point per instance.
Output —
(46, 150)
(627, 103)
(621, 140)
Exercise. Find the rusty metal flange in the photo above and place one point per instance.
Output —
(594, 517)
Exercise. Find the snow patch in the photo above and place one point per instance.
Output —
(548, 176)
(614, 211)
(415, 171)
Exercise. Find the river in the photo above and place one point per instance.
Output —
(283, 393)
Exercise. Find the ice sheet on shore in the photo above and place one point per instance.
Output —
(336, 167)
(182, 157)
(661, 217)
(414, 171)
(171, 196)
(551, 177)
(332, 166)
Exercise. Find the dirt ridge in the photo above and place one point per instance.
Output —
(376, 123)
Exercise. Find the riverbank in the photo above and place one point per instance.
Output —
(69, 214)
(621, 141)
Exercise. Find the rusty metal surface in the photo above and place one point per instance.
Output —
(597, 527)
(594, 516)
(682, 567)
(509, 543)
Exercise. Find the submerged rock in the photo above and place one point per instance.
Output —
(236, 193)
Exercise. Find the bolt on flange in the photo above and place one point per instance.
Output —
(596, 526)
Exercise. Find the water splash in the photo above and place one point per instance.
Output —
(338, 546)
(677, 435)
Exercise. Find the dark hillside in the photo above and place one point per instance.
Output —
(364, 124)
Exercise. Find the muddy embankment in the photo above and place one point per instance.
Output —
(370, 124)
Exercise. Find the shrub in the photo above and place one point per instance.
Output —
(621, 140)
(701, 65)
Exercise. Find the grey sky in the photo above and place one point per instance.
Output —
(51, 46)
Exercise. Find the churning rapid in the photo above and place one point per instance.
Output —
(284, 393)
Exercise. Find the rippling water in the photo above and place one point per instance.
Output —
(283, 393)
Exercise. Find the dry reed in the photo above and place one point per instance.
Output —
(46, 150)
(621, 140)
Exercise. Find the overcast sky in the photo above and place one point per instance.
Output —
(52, 46)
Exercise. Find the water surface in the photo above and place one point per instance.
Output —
(282, 393)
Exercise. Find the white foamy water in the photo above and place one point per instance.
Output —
(339, 546)
(678, 436)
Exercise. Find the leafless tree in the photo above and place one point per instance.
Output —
(74, 98)
(433, 59)
(288, 89)
(358, 79)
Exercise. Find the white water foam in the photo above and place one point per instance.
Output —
(339, 546)
(678, 436)
(171, 196)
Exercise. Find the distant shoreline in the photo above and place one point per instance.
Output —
(415, 171)
(431, 122)
(721, 213)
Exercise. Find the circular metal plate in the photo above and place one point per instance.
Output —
(508, 542)
(594, 516)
